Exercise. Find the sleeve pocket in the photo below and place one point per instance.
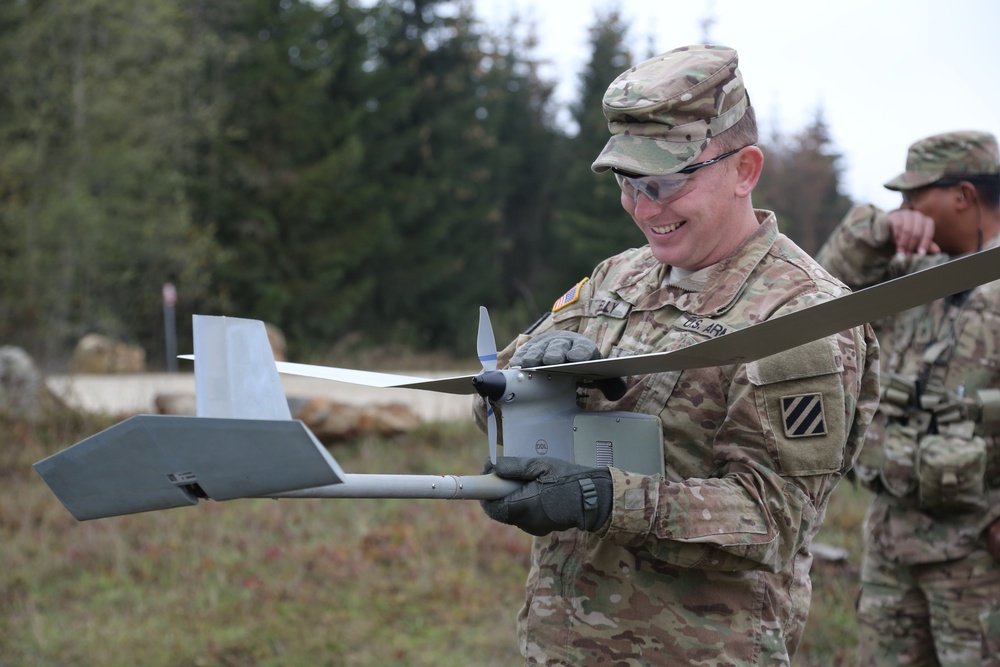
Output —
(799, 397)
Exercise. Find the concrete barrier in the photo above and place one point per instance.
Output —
(130, 394)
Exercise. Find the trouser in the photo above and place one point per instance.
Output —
(929, 615)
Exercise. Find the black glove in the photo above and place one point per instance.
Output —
(558, 495)
(559, 347)
(555, 347)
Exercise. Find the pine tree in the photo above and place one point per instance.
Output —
(801, 184)
(589, 223)
(97, 132)
(428, 143)
(525, 173)
(284, 181)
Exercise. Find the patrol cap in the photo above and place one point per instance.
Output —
(952, 153)
(663, 112)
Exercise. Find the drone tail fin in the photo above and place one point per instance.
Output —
(234, 370)
(154, 462)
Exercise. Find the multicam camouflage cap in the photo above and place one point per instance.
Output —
(952, 153)
(663, 112)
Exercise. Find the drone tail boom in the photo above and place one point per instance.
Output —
(447, 487)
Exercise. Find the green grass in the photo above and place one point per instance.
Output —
(263, 583)
(830, 637)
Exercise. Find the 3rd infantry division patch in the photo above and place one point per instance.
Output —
(803, 415)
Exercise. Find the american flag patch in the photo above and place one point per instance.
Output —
(803, 415)
(569, 297)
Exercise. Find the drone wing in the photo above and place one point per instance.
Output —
(740, 346)
(806, 325)
(459, 384)
(226, 347)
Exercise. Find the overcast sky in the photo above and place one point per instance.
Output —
(884, 72)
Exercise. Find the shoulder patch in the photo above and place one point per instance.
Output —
(569, 297)
(802, 415)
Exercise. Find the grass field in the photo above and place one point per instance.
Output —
(297, 582)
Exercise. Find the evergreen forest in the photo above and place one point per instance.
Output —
(343, 170)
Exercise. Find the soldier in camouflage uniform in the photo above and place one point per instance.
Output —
(930, 588)
(709, 563)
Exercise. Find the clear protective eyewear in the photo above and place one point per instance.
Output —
(910, 197)
(664, 188)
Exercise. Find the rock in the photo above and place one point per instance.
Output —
(331, 421)
(23, 393)
(176, 404)
(277, 340)
(99, 354)
(829, 553)
(829, 560)
(20, 384)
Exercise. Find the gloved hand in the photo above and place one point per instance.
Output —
(559, 347)
(555, 347)
(558, 495)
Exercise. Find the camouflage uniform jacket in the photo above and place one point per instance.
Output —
(964, 337)
(709, 565)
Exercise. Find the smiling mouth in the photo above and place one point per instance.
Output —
(666, 229)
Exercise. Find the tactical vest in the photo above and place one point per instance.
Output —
(940, 447)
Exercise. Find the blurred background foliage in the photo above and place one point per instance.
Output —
(346, 171)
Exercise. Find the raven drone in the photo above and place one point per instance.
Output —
(243, 442)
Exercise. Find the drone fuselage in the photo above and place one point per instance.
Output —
(539, 416)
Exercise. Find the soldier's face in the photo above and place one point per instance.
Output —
(692, 228)
(954, 234)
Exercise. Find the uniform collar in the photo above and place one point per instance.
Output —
(643, 286)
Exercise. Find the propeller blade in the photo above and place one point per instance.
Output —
(486, 344)
(486, 348)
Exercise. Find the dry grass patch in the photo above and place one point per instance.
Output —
(295, 582)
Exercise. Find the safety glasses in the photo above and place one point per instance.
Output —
(663, 188)
(910, 197)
